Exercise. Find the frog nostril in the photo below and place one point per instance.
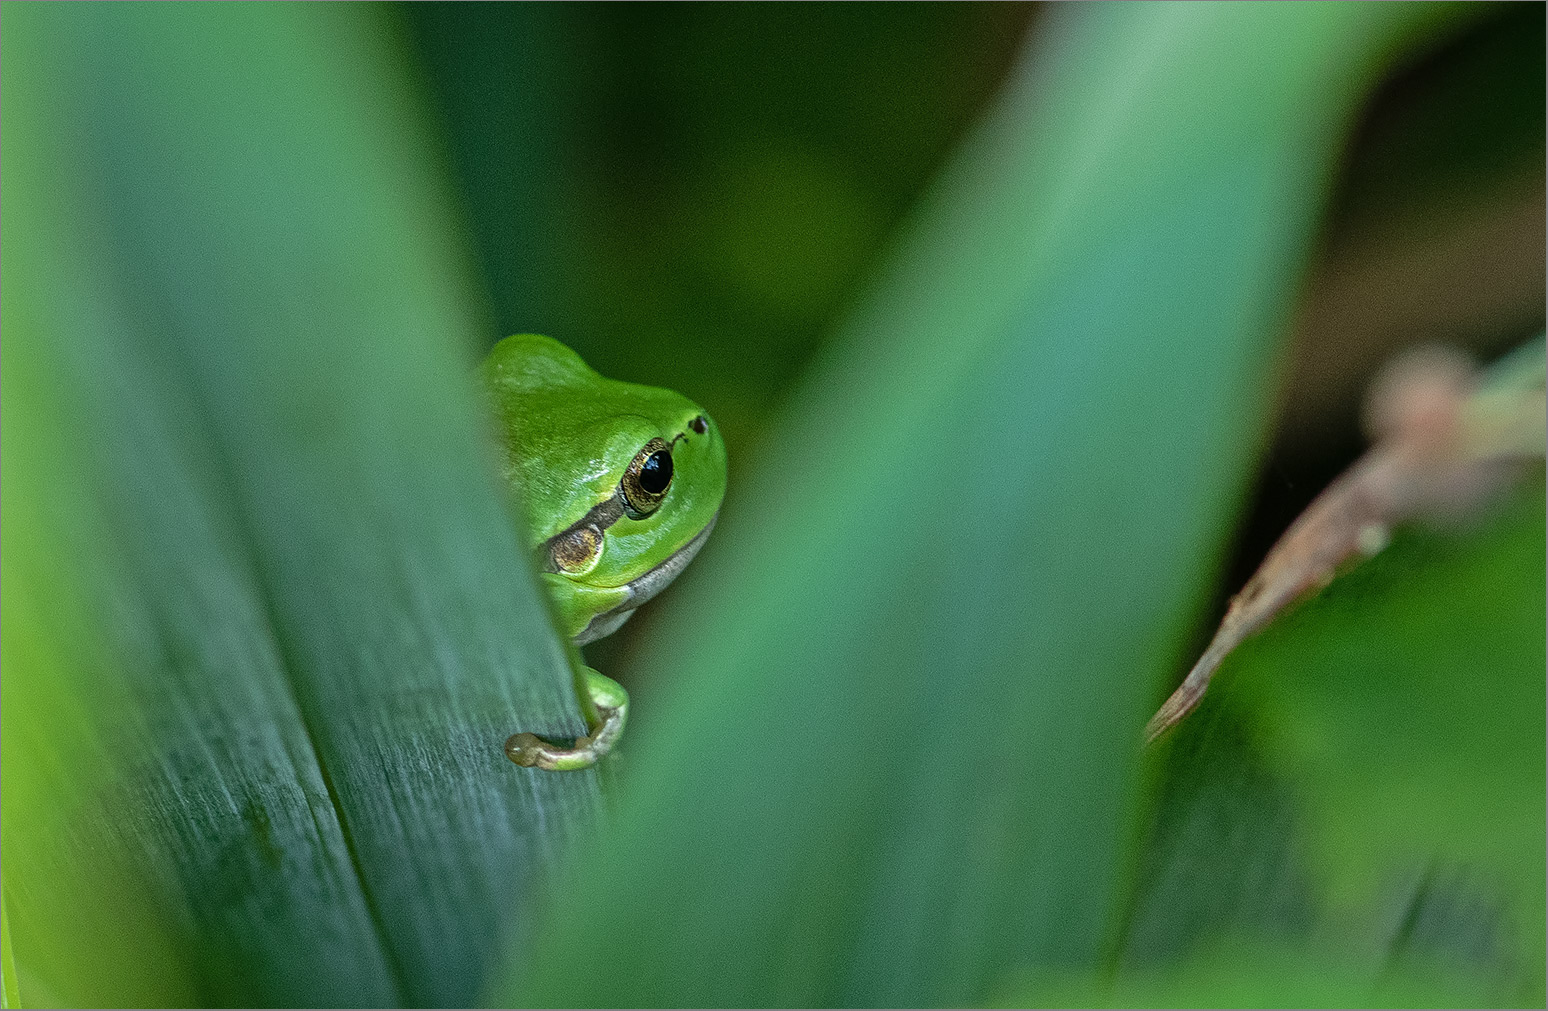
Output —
(699, 425)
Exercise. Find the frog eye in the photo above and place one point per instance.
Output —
(645, 483)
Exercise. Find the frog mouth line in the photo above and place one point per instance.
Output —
(646, 586)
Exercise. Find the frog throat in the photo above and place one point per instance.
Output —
(644, 587)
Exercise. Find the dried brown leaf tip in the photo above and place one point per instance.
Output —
(1445, 437)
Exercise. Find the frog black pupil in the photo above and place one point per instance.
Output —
(656, 472)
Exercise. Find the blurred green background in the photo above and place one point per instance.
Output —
(1029, 329)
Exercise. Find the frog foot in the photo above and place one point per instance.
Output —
(529, 750)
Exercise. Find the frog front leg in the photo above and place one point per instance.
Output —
(610, 708)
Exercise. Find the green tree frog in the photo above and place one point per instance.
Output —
(620, 484)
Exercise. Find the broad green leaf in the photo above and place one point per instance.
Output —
(899, 756)
(263, 726)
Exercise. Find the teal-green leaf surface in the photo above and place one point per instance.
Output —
(233, 293)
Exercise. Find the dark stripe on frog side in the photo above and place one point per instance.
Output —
(602, 515)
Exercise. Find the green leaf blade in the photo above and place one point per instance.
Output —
(310, 592)
(902, 756)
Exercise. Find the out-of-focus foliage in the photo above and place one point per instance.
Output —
(1367, 776)
(1255, 974)
(265, 624)
(10, 993)
(720, 177)
(1408, 702)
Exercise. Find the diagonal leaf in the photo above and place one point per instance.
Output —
(900, 758)
(316, 627)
